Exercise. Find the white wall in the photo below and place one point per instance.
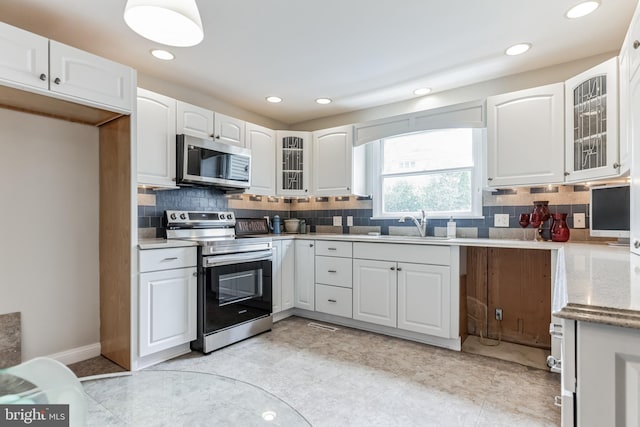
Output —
(49, 231)
(540, 77)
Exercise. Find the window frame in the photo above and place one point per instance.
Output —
(478, 171)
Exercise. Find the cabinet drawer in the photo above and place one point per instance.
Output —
(334, 271)
(418, 254)
(164, 259)
(341, 249)
(333, 300)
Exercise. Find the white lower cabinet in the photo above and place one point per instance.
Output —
(424, 299)
(283, 275)
(304, 274)
(375, 291)
(166, 299)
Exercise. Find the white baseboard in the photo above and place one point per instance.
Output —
(77, 354)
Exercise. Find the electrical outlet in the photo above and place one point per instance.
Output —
(498, 314)
(337, 221)
(501, 220)
(349, 221)
(579, 220)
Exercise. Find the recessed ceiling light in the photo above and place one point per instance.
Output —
(273, 99)
(165, 55)
(582, 9)
(323, 101)
(518, 49)
(269, 415)
(422, 91)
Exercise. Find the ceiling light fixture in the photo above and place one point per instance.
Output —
(582, 9)
(323, 101)
(518, 49)
(422, 91)
(165, 55)
(169, 22)
(273, 99)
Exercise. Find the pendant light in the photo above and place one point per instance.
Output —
(170, 22)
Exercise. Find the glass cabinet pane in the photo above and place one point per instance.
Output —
(590, 124)
(292, 163)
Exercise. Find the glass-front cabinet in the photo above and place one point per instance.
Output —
(294, 163)
(591, 139)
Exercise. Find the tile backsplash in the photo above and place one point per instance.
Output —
(319, 211)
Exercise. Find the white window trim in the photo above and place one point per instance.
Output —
(477, 178)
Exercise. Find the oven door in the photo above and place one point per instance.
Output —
(237, 289)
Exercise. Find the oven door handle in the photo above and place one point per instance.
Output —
(217, 260)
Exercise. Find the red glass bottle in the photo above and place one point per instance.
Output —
(559, 229)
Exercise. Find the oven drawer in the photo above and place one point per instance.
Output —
(166, 259)
(340, 249)
(334, 271)
(334, 300)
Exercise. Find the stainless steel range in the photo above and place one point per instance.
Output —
(234, 277)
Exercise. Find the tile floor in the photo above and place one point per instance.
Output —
(356, 378)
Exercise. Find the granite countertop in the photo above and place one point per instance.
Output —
(598, 283)
(164, 244)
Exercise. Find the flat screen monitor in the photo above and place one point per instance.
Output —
(609, 211)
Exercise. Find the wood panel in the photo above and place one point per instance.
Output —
(519, 282)
(476, 291)
(115, 241)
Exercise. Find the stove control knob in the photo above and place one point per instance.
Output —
(229, 216)
(172, 216)
(183, 216)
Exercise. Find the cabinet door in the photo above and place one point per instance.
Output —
(287, 273)
(83, 75)
(375, 291)
(156, 139)
(332, 161)
(525, 137)
(167, 309)
(608, 375)
(262, 142)
(293, 158)
(193, 120)
(424, 299)
(625, 105)
(591, 140)
(304, 274)
(229, 130)
(276, 277)
(25, 57)
(634, 132)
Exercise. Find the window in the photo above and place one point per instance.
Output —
(438, 171)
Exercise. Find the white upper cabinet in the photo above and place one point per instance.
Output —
(193, 120)
(591, 139)
(625, 105)
(32, 61)
(332, 161)
(83, 75)
(525, 137)
(229, 130)
(632, 43)
(156, 139)
(25, 57)
(293, 157)
(262, 143)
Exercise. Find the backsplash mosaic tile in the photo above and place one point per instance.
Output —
(319, 211)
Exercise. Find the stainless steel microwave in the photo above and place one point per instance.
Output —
(203, 162)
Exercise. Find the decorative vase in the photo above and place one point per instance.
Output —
(542, 208)
(559, 229)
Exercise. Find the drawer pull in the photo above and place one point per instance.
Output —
(332, 271)
(332, 300)
(393, 269)
(399, 269)
(557, 400)
(332, 249)
(173, 258)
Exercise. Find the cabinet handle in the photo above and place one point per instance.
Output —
(616, 165)
(305, 190)
(553, 362)
(195, 274)
(393, 269)
(310, 245)
(348, 189)
(557, 400)
(217, 136)
(332, 249)
(57, 80)
(332, 300)
(555, 330)
(173, 258)
(636, 244)
(43, 77)
(566, 174)
(636, 44)
(332, 271)
(399, 269)
(489, 179)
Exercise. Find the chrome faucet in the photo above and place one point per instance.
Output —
(421, 224)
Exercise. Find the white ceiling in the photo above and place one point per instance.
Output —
(360, 53)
